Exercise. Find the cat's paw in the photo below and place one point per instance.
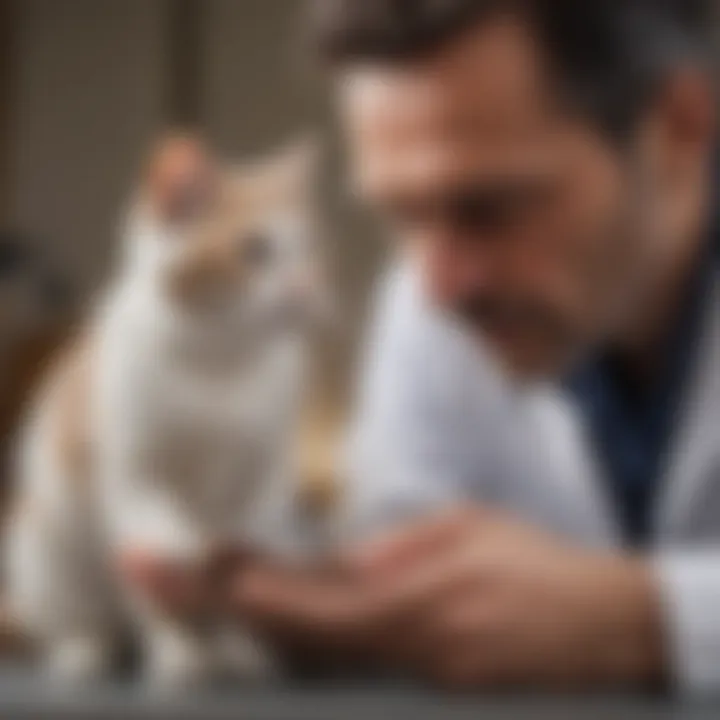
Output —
(245, 659)
(179, 663)
(80, 661)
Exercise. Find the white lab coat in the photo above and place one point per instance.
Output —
(437, 426)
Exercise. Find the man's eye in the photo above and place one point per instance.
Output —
(256, 249)
(485, 213)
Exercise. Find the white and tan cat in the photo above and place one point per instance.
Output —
(168, 427)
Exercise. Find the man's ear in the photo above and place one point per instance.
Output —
(181, 178)
(687, 108)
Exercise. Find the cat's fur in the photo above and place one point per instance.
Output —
(168, 427)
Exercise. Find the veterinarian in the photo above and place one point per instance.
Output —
(548, 168)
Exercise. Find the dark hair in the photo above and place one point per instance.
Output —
(609, 57)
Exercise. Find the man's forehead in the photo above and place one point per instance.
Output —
(433, 160)
(482, 105)
(495, 69)
(438, 170)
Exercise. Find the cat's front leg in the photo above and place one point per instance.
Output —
(178, 651)
(244, 657)
(178, 656)
(81, 660)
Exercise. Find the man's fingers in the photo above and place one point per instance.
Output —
(418, 588)
(415, 542)
(332, 605)
(291, 602)
(179, 588)
(157, 578)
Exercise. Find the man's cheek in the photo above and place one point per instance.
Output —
(437, 272)
(568, 275)
(447, 282)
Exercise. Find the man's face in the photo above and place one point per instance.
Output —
(519, 215)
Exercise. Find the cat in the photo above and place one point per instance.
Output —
(167, 426)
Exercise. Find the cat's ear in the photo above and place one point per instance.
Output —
(181, 178)
(293, 171)
(300, 160)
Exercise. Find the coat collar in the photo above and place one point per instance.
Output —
(696, 446)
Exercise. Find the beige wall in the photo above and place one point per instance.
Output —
(88, 97)
(253, 93)
(6, 100)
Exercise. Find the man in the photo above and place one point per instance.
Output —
(547, 166)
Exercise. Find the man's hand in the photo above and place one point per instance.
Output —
(471, 600)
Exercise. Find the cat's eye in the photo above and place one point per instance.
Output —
(256, 249)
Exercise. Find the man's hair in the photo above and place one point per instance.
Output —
(609, 57)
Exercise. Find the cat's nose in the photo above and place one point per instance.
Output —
(307, 295)
(302, 288)
(256, 249)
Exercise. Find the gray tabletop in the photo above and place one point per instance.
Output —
(22, 695)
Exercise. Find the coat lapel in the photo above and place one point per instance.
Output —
(697, 443)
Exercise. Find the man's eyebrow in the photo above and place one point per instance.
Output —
(498, 189)
(502, 183)
(501, 191)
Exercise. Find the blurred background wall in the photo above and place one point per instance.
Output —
(86, 85)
